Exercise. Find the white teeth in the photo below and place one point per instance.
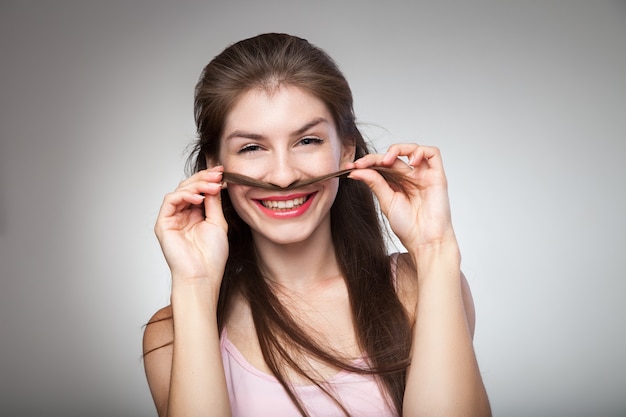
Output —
(283, 204)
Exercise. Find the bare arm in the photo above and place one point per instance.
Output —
(443, 379)
(197, 383)
(186, 377)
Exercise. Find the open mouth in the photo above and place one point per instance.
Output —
(284, 204)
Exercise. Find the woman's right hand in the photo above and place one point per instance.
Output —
(191, 228)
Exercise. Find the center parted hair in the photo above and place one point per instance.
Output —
(268, 62)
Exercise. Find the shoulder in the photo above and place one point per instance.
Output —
(158, 351)
(159, 331)
(408, 289)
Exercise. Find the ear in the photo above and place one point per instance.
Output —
(348, 150)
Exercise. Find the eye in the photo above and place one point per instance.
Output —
(249, 148)
(311, 140)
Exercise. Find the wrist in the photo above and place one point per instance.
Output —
(437, 259)
(194, 293)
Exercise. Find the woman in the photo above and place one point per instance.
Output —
(284, 300)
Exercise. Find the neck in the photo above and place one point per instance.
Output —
(302, 265)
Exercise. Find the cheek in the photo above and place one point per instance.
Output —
(334, 187)
(234, 193)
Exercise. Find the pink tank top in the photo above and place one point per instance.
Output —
(254, 393)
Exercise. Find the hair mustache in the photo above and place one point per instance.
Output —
(392, 176)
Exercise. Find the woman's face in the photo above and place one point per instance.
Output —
(282, 137)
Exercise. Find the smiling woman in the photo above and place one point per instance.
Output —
(282, 135)
(284, 298)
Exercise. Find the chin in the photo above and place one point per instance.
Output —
(286, 239)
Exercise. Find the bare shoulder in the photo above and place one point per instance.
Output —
(468, 301)
(159, 330)
(408, 290)
(158, 351)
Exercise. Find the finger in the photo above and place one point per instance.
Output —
(181, 199)
(213, 210)
(206, 184)
(397, 156)
(429, 155)
(367, 161)
(208, 175)
(399, 149)
(384, 193)
(377, 160)
(177, 201)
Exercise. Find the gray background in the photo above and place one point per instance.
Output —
(527, 101)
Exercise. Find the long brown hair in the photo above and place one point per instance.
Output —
(382, 327)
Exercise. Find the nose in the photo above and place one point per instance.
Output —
(283, 171)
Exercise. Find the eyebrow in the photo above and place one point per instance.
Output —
(298, 132)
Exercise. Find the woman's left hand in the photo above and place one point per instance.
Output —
(419, 215)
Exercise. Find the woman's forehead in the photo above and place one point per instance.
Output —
(288, 109)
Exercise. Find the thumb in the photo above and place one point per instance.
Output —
(213, 209)
(377, 184)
